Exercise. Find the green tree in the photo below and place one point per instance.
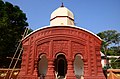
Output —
(110, 38)
(114, 50)
(110, 44)
(12, 25)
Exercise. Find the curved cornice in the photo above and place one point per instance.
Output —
(71, 26)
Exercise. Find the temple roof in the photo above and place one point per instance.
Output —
(62, 16)
(62, 11)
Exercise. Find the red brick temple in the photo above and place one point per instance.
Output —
(61, 51)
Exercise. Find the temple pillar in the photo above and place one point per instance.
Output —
(50, 71)
(35, 72)
(70, 70)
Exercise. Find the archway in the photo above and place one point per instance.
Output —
(79, 67)
(42, 67)
(60, 66)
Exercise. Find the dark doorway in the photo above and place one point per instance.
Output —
(61, 66)
(61, 69)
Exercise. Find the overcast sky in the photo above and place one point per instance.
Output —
(93, 15)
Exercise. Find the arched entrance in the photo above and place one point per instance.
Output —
(79, 67)
(60, 66)
(42, 67)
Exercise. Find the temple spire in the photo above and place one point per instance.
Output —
(62, 16)
(62, 5)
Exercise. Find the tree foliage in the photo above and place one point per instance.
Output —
(110, 46)
(12, 25)
(111, 39)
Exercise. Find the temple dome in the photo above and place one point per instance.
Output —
(62, 16)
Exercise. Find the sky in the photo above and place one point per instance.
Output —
(93, 15)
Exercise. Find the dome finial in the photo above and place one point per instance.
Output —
(62, 5)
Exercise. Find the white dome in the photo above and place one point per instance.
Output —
(62, 11)
(62, 16)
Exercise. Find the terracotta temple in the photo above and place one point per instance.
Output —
(61, 51)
